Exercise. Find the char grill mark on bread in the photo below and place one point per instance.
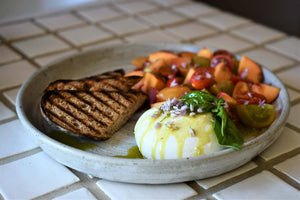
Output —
(100, 82)
(85, 113)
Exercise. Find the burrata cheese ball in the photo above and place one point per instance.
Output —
(165, 135)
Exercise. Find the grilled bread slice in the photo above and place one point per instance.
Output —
(109, 81)
(95, 114)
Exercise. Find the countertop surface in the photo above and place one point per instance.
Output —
(26, 45)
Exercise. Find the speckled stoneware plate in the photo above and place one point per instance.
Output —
(99, 161)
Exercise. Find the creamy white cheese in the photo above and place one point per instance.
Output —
(166, 137)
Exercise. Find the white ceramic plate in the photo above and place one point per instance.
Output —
(99, 161)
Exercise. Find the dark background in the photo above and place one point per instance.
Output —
(283, 15)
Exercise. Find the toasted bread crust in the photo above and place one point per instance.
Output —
(95, 106)
(95, 114)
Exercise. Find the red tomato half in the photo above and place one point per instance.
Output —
(202, 78)
(175, 81)
(250, 98)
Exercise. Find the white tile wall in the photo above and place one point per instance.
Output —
(45, 175)
(264, 185)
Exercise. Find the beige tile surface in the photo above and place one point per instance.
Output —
(20, 30)
(125, 26)
(32, 43)
(61, 21)
(211, 182)
(152, 36)
(291, 76)
(288, 141)
(40, 45)
(224, 21)
(290, 167)
(289, 46)
(100, 13)
(7, 54)
(258, 33)
(268, 59)
(162, 18)
(260, 186)
(77, 36)
(225, 41)
(15, 73)
(192, 30)
(193, 9)
(135, 7)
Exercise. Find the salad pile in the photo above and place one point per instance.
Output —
(245, 100)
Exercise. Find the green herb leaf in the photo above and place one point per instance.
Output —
(226, 132)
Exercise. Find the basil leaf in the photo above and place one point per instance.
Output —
(226, 131)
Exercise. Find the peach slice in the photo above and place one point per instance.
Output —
(135, 73)
(182, 64)
(150, 80)
(231, 101)
(249, 70)
(268, 91)
(139, 62)
(171, 92)
(206, 53)
(164, 55)
(222, 73)
(187, 54)
(155, 66)
(188, 76)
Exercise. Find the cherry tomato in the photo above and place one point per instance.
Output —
(222, 52)
(202, 78)
(221, 58)
(175, 81)
(168, 71)
(251, 98)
